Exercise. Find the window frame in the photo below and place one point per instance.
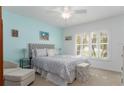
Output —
(90, 45)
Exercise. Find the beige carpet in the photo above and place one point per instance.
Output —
(98, 78)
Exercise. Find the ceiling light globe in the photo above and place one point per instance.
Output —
(66, 15)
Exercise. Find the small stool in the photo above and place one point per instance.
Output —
(83, 72)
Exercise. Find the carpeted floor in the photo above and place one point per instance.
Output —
(98, 78)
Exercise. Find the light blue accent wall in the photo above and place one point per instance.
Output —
(28, 33)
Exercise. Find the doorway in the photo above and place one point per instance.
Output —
(1, 48)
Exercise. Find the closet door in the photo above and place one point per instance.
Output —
(1, 48)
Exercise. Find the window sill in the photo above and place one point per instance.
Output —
(97, 59)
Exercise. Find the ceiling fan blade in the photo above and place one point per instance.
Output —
(54, 9)
(82, 11)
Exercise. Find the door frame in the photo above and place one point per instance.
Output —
(1, 48)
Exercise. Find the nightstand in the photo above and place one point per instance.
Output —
(25, 63)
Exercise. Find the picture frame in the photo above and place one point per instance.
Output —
(67, 38)
(44, 35)
(15, 33)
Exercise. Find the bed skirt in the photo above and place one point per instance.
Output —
(52, 77)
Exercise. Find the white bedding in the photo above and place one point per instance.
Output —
(63, 66)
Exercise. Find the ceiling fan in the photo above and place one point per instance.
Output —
(67, 11)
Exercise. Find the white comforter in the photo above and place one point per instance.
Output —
(63, 65)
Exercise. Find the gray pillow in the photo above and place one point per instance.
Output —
(41, 52)
(33, 51)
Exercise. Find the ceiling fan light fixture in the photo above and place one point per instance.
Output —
(66, 15)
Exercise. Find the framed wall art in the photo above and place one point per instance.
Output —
(68, 37)
(14, 33)
(44, 35)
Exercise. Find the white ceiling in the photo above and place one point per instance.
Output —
(42, 13)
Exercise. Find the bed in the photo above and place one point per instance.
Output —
(59, 69)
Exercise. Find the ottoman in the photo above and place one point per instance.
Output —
(82, 72)
(18, 76)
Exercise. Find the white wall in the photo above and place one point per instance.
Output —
(115, 28)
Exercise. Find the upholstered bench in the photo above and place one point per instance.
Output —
(82, 72)
(15, 76)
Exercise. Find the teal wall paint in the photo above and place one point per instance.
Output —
(28, 33)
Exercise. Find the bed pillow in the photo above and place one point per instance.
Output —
(51, 52)
(41, 52)
(33, 53)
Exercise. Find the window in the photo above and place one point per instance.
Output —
(103, 45)
(92, 44)
(78, 40)
(85, 49)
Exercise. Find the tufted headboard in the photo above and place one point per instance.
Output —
(38, 46)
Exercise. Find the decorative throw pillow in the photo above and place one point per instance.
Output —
(51, 52)
(41, 52)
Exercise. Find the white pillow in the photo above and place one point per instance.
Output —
(51, 52)
(41, 52)
(33, 53)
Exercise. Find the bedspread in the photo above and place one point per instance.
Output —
(62, 65)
